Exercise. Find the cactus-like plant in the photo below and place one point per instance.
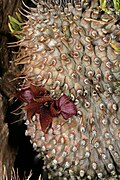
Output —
(71, 54)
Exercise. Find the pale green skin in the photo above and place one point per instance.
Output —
(15, 24)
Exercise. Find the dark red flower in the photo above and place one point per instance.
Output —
(39, 102)
(66, 107)
(45, 108)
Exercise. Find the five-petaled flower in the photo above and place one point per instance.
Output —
(38, 101)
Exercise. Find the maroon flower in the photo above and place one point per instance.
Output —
(66, 107)
(44, 106)
(39, 102)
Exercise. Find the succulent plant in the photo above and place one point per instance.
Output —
(70, 54)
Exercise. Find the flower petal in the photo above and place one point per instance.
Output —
(66, 106)
(43, 99)
(31, 109)
(38, 90)
(45, 120)
(68, 110)
(63, 100)
(25, 95)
